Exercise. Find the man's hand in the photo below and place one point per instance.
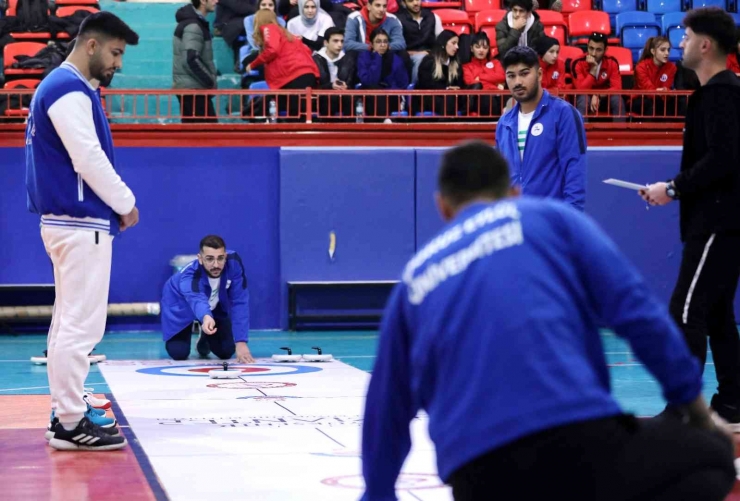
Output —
(594, 104)
(248, 68)
(520, 23)
(209, 325)
(655, 194)
(243, 355)
(453, 87)
(338, 85)
(129, 220)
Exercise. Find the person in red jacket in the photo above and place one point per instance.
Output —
(733, 60)
(553, 69)
(288, 62)
(655, 72)
(483, 73)
(599, 71)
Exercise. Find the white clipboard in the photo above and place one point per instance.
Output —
(625, 184)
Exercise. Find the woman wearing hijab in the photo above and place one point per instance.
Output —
(553, 68)
(311, 24)
(381, 69)
(441, 70)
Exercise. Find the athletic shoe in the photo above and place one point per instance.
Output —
(202, 346)
(52, 426)
(94, 411)
(85, 437)
(95, 402)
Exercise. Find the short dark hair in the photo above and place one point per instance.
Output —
(378, 31)
(212, 241)
(370, 2)
(714, 23)
(521, 54)
(330, 32)
(470, 170)
(108, 25)
(478, 38)
(527, 5)
(597, 38)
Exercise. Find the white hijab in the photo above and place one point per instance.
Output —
(313, 28)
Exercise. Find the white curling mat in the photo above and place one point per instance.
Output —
(279, 432)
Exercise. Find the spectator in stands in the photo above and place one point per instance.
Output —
(520, 26)
(598, 71)
(733, 60)
(553, 68)
(192, 61)
(229, 22)
(654, 72)
(212, 290)
(381, 69)
(542, 137)
(441, 70)
(336, 72)
(483, 73)
(493, 333)
(363, 22)
(250, 46)
(311, 24)
(421, 27)
(289, 8)
(288, 62)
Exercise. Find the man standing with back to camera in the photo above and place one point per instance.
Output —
(708, 189)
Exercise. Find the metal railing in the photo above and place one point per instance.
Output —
(164, 106)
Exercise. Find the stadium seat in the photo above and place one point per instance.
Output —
(490, 31)
(695, 4)
(614, 7)
(488, 18)
(20, 49)
(26, 83)
(624, 57)
(441, 4)
(634, 28)
(736, 17)
(575, 5)
(455, 20)
(474, 6)
(555, 25)
(570, 52)
(10, 9)
(68, 10)
(660, 7)
(584, 23)
(93, 3)
(673, 27)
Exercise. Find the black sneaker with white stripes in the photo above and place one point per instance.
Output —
(85, 437)
(52, 428)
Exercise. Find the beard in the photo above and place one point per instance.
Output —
(529, 95)
(97, 71)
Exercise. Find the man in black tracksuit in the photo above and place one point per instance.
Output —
(708, 188)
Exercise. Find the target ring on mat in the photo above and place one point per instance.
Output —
(250, 385)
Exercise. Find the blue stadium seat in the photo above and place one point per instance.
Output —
(695, 4)
(736, 17)
(675, 55)
(673, 29)
(634, 28)
(614, 7)
(661, 7)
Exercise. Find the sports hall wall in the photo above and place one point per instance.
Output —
(277, 208)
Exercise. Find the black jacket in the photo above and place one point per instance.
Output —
(345, 71)
(418, 36)
(709, 182)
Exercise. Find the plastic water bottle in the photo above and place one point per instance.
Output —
(273, 112)
(359, 112)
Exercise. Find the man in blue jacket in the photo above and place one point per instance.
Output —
(212, 290)
(82, 202)
(493, 331)
(541, 137)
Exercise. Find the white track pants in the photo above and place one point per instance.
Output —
(82, 264)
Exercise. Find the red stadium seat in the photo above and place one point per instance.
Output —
(472, 7)
(20, 49)
(488, 18)
(584, 23)
(455, 20)
(554, 24)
